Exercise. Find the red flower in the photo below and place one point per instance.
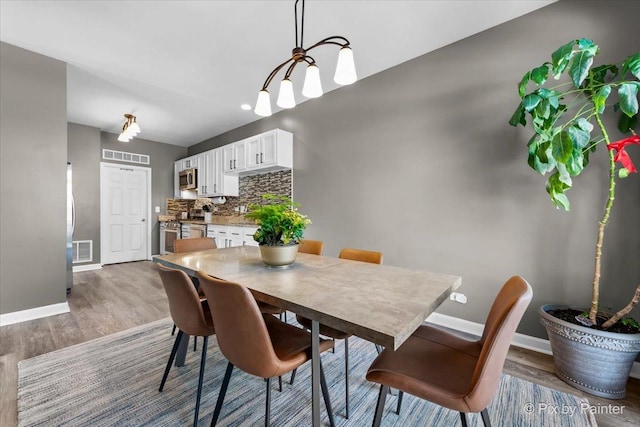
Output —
(621, 155)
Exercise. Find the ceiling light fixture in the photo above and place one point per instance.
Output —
(129, 129)
(345, 71)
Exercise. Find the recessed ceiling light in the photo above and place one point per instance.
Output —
(246, 107)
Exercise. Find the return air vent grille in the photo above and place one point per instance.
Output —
(121, 156)
(82, 251)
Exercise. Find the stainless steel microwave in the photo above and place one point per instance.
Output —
(188, 179)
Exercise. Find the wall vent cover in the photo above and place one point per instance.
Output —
(82, 251)
(122, 156)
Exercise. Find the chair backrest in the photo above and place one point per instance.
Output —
(184, 302)
(361, 255)
(503, 319)
(242, 334)
(313, 247)
(192, 245)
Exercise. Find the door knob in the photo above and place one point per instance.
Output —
(143, 220)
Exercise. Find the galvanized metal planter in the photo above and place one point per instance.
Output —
(596, 362)
(279, 256)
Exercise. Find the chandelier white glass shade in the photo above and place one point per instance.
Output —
(129, 129)
(345, 71)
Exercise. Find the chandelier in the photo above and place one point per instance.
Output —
(129, 129)
(312, 88)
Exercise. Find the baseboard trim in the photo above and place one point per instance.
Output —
(33, 313)
(87, 267)
(519, 340)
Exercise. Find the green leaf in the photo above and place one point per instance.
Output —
(560, 58)
(623, 172)
(577, 163)
(556, 189)
(600, 98)
(582, 61)
(584, 124)
(522, 86)
(530, 101)
(632, 64)
(563, 174)
(628, 93)
(540, 74)
(579, 137)
(518, 117)
(543, 109)
(625, 123)
(562, 147)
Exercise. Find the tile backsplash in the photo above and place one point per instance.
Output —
(250, 190)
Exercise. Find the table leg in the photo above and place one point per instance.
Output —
(182, 350)
(315, 373)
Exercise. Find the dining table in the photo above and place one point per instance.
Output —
(379, 303)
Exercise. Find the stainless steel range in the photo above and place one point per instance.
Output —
(169, 232)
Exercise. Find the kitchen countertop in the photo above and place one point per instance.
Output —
(220, 220)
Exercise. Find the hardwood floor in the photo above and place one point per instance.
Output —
(121, 296)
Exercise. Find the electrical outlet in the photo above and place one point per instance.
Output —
(157, 209)
(458, 297)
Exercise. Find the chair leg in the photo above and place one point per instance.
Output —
(267, 409)
(463, 418)
(223, 391)
(400, 395)
(377, 418)
(333, 348)
(172, 356)
(485, 417)
(195, 343)
(325, 394)
(173, 331)
(346, 376)
(293, 376)
(203, 361)
(379, 348)
(280, 383)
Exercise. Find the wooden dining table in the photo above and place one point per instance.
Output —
(379, 303)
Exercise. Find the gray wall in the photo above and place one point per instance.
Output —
(419, 162)
(162, 158)
(33, 167)
(84, 153)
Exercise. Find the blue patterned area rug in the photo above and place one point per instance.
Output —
(113, 381)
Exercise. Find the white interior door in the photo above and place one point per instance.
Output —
(124, 213)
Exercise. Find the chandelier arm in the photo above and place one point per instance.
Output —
(330, 40)
(290, 69)
(267, 82)
(302, 26)
(295, 12)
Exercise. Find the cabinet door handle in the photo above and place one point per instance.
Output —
(234, 163)
(257, 158)
(261, 160)
(230, 164)
(215, 188)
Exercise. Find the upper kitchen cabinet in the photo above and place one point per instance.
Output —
(235, 157)
(268, 152)
(212, 181)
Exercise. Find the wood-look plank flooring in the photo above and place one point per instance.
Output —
(121, 296)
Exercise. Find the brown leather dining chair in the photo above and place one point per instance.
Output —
(354, 255)
(313, 247)
(192, 245)
(191, 315)
(454, 372)
(259, 344)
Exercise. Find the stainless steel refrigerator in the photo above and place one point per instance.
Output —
(71, 223)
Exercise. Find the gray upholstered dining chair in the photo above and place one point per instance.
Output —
(191, 315)
(454, 372)
(373, 257)
(259, 344)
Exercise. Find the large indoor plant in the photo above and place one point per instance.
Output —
(569, 120)
(280, 228)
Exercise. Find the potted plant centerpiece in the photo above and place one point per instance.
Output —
(280, 229)
(593, 350)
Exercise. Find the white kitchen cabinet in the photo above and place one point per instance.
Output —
(204, 164)
(235, 157)
(235, 236)
(248, 236)
(189, 162)
(177, 167)
(223, 185)
(268, 152)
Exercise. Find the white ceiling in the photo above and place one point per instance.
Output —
(185, 67)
